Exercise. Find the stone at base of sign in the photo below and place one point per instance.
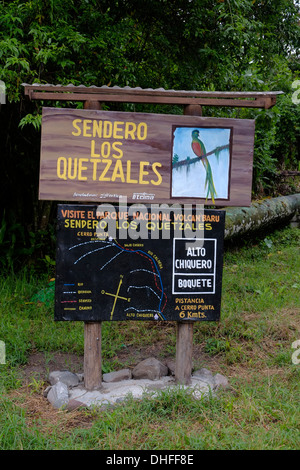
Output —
(58, 395)
(151, 369)
(64, 376)
(205, 375)
(71, 397)
(117, 376)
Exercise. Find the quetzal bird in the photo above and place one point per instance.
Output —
(199, 150)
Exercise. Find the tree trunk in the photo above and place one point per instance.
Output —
(260, 215)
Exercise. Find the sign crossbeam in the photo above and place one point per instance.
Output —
(151, 96)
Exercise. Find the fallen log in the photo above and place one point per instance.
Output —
(260, 215)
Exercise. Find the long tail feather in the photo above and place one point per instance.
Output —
(209, 182)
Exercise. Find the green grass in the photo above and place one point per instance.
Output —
(251, 345)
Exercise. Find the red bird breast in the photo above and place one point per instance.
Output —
(197, 149)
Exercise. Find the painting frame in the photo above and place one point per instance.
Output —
(180, 142)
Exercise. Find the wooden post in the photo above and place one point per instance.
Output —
(184, 352)
(184, 336)
(92, 105)
(192, 110)
(92, 356)
(92, 365)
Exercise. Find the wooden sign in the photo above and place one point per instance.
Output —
(91, 155)
(131, 263)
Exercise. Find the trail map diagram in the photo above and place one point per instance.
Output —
(111, 278)
(135, 285)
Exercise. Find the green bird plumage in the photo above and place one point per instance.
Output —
(199, 150)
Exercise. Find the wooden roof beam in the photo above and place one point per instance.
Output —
(151, 96)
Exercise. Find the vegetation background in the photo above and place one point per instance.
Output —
(227, 45)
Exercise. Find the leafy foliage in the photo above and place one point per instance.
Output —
(202, 44)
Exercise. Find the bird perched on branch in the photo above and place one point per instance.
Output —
(199, 150)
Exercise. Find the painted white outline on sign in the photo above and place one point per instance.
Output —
(202, 240)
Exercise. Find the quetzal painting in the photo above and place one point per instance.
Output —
(201, 163)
